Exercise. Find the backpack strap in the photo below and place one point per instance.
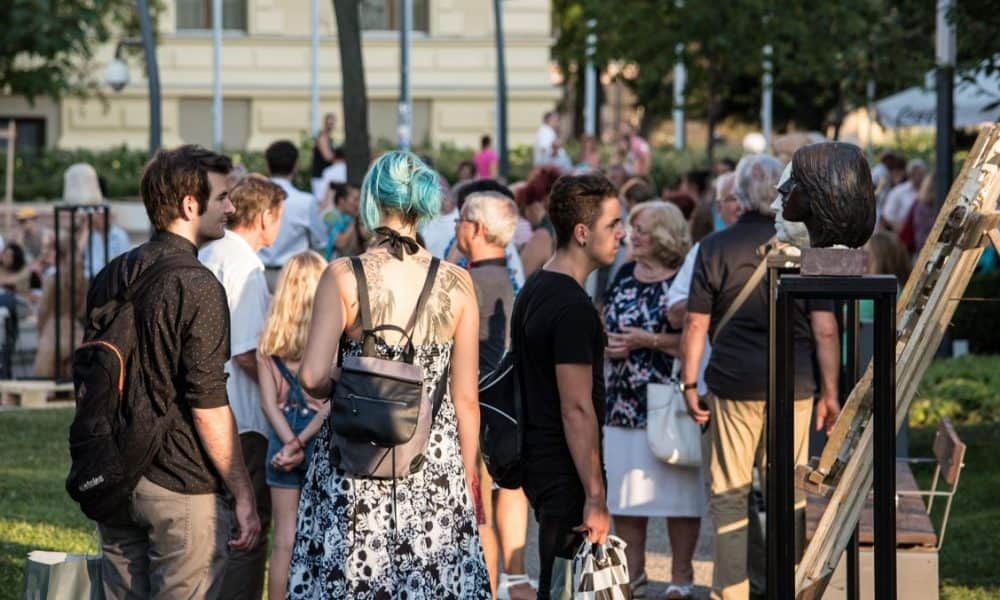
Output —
(136, 289)
(741, 298)
(364, 308)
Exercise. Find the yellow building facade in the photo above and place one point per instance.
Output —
(266, 76)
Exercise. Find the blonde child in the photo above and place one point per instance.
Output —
(295, 417)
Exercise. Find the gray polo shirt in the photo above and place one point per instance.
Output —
(738, 367)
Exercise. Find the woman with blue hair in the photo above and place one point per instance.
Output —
(413, 537)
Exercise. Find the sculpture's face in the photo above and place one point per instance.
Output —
(790, 232)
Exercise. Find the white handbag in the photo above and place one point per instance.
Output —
(672, 434)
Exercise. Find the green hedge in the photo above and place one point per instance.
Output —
(39, 178)
(966, 389)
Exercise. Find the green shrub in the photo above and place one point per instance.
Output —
(965, 389)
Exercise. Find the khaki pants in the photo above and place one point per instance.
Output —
(736, 440)
(174, 547)
(244, 579)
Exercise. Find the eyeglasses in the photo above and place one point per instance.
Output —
(461, 220)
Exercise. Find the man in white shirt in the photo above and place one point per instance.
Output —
(235, 262)
(546, 138)
(901, 198)
(302, 227)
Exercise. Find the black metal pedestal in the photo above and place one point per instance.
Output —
(780, 424)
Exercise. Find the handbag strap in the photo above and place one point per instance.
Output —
(364, 307)
(741, 298)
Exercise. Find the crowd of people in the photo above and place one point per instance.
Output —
(600, 283)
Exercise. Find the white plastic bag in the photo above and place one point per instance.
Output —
(673, 435)
(597, 572)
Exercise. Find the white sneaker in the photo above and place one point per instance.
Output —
(508, 581)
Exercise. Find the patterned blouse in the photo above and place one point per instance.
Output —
(631, 303)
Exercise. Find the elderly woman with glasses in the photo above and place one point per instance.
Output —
(641, 347)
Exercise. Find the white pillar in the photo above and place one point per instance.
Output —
(314, 124)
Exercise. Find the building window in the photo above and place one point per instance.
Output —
(30, 132)
(196, 15)
(196, 122)
(384, 15)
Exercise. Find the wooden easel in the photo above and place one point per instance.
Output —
(966, 223)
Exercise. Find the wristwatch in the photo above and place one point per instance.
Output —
(687, 386)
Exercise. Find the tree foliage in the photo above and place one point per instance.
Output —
(47, 46)
(824, 53)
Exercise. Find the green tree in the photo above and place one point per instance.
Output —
(47, 46)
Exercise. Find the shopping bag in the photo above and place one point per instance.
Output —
(597, 572)
(673, 435)
(61, 576)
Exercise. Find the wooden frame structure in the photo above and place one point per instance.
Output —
(966, 223)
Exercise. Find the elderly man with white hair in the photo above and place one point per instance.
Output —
(903, 196)
(735, 407)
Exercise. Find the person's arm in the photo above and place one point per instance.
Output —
(692, 349)
(325, 329)
(465, 375)
(248, 362)
(204, 351)
(216, 429)
(634, 338)
(575, 384)
(269, 399)
(676, 313)
(536, 251)
(824, 328)
(323, 144)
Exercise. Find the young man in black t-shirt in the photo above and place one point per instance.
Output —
(559, 340)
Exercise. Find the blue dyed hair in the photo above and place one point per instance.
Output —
(399, 182)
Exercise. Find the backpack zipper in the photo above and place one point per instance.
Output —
(500, 412)
(121, 363)
(373, 399)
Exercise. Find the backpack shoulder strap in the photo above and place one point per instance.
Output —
(425, 293)
(364, 306)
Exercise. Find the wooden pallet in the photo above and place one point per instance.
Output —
(965, 224)
(35, 393)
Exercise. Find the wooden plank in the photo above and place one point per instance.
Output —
(949, 451)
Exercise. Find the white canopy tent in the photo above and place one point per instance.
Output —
(975, 102)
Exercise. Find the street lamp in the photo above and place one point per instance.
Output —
(116, 74)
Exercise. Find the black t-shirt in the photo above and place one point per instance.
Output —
(554, 322)
(738, 367)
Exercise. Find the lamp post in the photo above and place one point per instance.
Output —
(767, 95)
(405, 102)
(217, 75)
(944, 146)
(504, 161)
(590, 83)
(314, 124)
(680, 81)
(116, 75)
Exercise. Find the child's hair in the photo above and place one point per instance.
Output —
(291, 310)
(399, 182)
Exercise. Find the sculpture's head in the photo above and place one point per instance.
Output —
(830, 189)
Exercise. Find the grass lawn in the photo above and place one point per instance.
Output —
(36, 512)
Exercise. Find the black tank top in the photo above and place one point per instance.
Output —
(318, 163)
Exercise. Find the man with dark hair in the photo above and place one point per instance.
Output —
(234, 261)
(559, 342)
(302, 226)
(173, 539)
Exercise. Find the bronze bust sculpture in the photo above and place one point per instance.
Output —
(829, 189)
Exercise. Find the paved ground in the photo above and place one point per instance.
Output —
(657, 558)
